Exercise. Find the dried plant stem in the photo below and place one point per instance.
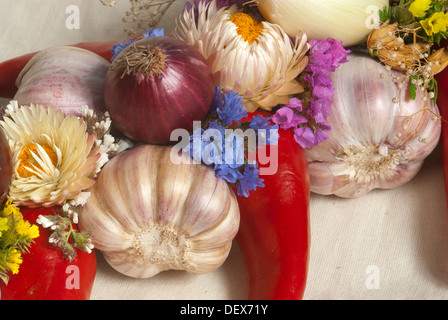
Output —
(141, 60)
(143, 14)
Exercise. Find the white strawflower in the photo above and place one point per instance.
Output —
(256, 59)
(54, 155)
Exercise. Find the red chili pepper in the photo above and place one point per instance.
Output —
(442, 103)
(274, 235)
(10, 69)
(45, 274)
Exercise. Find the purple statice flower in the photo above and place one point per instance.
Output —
(250, 180)
(308, 122)
(327, 54)
(307, 137)
(287, 118)
(230, 107)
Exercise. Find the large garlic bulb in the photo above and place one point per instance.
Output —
(379, 137)
(147, 214)
(65, 78)
(347, 20)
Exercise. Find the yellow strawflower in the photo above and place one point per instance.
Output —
(419, 7)
(436, 23)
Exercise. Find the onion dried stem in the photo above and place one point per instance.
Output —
(141, 60)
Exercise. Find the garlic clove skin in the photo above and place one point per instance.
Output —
(148, 215)
(379, 137)
(65, 78)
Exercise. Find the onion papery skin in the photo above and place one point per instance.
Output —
(5, 166)
(149, 111)
(379, 136)
(65, 78)
(346, 20)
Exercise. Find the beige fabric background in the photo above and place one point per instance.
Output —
(399, 236)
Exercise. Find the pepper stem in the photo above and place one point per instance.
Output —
(143, 60)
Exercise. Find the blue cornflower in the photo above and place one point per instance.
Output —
(117, 48)
(216, 126)
(249, 180)
(268, 136)
(224, 171)
(230, 107)
(234, 150)
(205, 146)
(212, 141)
(259, 122)
(154, 33)
(195, 150)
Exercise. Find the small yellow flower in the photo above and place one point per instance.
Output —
(24, 228)
(436, 23)
(3, 225)
(14, 261)
(419, 7)
(10, 209)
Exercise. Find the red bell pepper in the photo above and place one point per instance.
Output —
(274, 234)
(45, 274)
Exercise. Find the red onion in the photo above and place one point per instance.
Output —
(156, 85)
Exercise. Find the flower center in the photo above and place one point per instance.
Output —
(247, 27)
(27, 160)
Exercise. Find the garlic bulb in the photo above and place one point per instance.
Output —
(348, 20)
(379, 137)
(147, 214)
(65, 78)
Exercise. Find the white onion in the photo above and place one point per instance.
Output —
(348, 20)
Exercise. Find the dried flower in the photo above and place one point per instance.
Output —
(438, 61)
(383, 37)
(56, 157)
(406, 57)
(307, 113)
(225, 149)
(233, 42)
